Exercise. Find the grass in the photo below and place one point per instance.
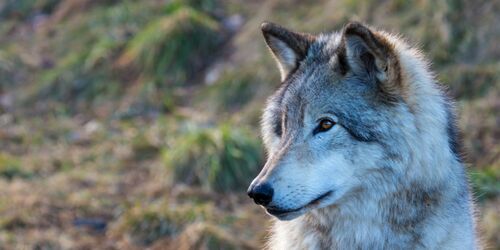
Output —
(209, 236)
(174, 45)
(10, 168)
(23, 9)
(148, 224)
(221, 158)
(134, 124)
(486, 183)
(229, 93)
(474, 81)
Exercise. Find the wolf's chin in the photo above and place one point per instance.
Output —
(290, 214)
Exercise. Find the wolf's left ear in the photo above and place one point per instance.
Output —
(370, 53)
(288, 47)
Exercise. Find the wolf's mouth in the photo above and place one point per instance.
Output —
(283, 212)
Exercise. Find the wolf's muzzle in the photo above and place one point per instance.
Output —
(262, 194)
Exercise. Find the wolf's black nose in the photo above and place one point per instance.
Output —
(262, 194)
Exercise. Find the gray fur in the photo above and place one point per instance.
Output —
(390, 166)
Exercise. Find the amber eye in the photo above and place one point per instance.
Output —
(325, 125)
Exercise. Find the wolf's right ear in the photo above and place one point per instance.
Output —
(369, 52)
(288, 47)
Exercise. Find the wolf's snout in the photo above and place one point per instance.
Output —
(262, 194)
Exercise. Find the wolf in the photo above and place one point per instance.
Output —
(363, 149)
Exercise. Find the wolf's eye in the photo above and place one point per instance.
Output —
(324, 125)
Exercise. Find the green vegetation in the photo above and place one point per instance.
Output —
(124, 44)
(22, 9)
(230, 93)
(191, 36)
(134, 124)
(220, 158)
(486, 183)
(148, 224)
(11, 168)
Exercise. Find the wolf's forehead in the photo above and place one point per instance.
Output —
(331, 41)
(307, 92)
(314, 80)
(316, 71)
(325, 46)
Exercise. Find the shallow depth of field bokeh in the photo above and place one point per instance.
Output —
(134, 124)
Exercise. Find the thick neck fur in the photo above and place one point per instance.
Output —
(419, 200)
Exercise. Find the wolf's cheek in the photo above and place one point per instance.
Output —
(333, 171)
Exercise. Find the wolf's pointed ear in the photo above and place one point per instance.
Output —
(288, 47)
(370, 53)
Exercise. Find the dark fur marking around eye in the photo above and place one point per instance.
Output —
(279, 121)
(277, 127)
(358, 131)
(358, 136)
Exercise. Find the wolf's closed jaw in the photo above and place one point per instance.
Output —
(360, 153)
(288, 214)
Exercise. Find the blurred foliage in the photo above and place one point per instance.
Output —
(191, 36)
(229, 93)
(209, 236)
(142, 115)
(155, 46)
(223, 158)
(10, 167)
(147, 224)
(473, 81)
(23, 9)
(486, 183)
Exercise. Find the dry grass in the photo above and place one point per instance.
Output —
(100, 154)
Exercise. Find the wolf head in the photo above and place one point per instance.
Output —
(342, 119)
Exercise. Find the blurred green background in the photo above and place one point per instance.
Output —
(134, 124)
